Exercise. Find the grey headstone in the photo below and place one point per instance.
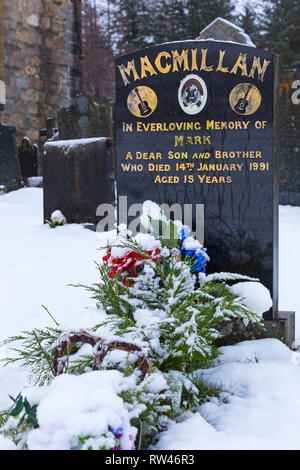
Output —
(10, 175)
(223, 30)
(84, 119)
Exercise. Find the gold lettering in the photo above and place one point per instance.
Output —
(178, 59)
(146, 66)
(194, 60)
(158, 65)
(127, 70)
(261, 70)
(220, 67)
(204, 66)
(241, 63)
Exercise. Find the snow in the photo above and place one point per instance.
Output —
(259, 406)
(153, 211)
(37, 264)
(289, 261)
(260, 380)
(191, 243)
(156, 383)
(256, 296)
(34, 181)
(6, 444)
(91, 411)
(74, 142)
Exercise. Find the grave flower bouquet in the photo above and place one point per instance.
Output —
(167, 239)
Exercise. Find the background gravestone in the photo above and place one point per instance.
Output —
(289, 141)
(28, 158)
(78, 177)
(173, 101)
(10, 175)
(84, 118)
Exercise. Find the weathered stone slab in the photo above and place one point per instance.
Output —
(282, 328)
(28, 158)
(10, 175)
(78, 177)
(222, 30)
(289, 139)
(84, 119)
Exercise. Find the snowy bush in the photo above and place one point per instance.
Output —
(156, 295)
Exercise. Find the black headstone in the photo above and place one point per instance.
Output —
(83, 119)
(195, 125)
(10, 175)
(28, 158)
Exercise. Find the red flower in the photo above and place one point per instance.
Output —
(127, 264)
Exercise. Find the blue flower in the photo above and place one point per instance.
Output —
(197, 254)
(184, 232)
(116, 432)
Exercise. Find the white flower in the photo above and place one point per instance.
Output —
(58, 217)
(151, 209)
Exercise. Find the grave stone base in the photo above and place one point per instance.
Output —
(78, 177)
(283, 328)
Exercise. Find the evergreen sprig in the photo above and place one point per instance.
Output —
(35, 351)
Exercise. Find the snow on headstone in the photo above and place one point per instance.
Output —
(222, 30)
(256, 296)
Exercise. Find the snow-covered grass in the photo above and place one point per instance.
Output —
(37, 264)
(260, 407)
(289, 261)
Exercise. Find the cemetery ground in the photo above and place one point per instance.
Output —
(259, 406)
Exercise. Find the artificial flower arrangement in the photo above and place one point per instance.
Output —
(157, 300)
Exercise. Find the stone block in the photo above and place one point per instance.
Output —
(283, 328)
(78, 177)
(223, 30)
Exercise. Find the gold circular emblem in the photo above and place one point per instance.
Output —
(245, 99)
(142, 101)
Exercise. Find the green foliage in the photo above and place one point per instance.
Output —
(185, 311)
(107, 292)
(281, 23)
(106, 441)
(166, 231)
(18, 421)
(55, 223)
(35, 351)
(250, 20)
(4, 415)
(29, 412)
(150, 412)
(200, 13)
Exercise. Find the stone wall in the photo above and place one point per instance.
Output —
(42, 53)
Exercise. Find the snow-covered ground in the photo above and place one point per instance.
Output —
(260, 379)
